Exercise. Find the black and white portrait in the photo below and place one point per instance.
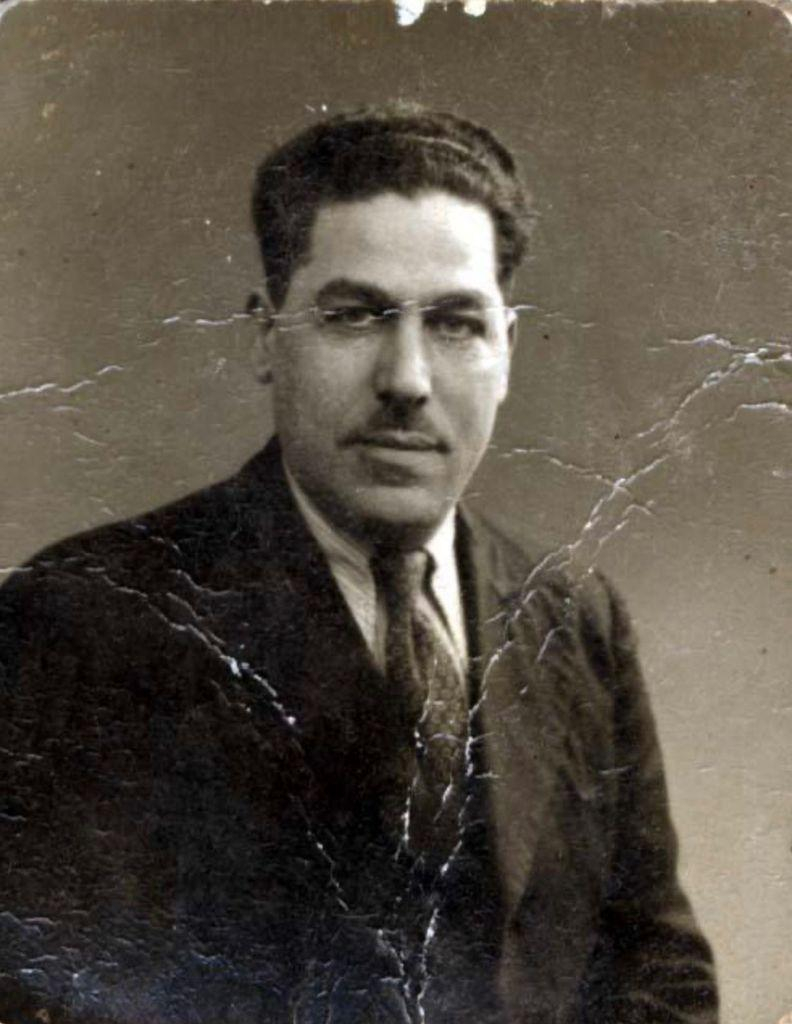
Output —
(394, 619)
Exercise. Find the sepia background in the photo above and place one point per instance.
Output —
(648, 428)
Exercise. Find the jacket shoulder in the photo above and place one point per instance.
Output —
(532, 581)
(180, 534)
(519, 569)
(507, 563)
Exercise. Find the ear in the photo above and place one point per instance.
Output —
(261, 316)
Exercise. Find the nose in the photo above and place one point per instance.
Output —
(403, 374)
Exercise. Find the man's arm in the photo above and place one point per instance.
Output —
(651, 964)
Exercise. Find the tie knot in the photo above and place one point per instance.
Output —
(400, 575)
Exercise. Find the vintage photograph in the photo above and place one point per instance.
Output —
(395, 602)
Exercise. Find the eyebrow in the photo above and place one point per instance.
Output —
(362, 291)
(465, 300)
(346, 288)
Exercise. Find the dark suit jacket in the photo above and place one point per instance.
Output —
(195, 751)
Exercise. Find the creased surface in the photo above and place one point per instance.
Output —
(648, 428)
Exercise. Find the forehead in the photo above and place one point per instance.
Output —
(407, 246)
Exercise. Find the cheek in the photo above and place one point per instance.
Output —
(299, 381)
(473, 398)
(325, 384)
(315, 403)
(500, 374)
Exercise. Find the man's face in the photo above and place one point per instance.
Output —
(390, 358)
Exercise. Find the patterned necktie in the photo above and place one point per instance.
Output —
(420, 667)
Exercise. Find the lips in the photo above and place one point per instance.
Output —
(400, 440)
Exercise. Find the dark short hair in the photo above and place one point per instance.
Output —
(401, 148)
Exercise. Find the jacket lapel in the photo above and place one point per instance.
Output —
(518, 721)
(290, 628)
(307, 637)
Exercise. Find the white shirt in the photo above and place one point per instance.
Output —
(349, 563)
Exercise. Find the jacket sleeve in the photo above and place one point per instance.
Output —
(651, 964)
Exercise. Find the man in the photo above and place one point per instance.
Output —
(317, 743)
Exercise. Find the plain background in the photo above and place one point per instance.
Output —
(648, 427)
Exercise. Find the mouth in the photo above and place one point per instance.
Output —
(400, 440)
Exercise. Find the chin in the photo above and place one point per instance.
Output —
(398, 513)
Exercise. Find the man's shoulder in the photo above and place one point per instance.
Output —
(530, 575)
(187, 533)
(506, 562)
(168, 530)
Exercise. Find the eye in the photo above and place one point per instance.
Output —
(351, 318)
(457, 327)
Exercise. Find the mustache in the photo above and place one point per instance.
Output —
(399, 431)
